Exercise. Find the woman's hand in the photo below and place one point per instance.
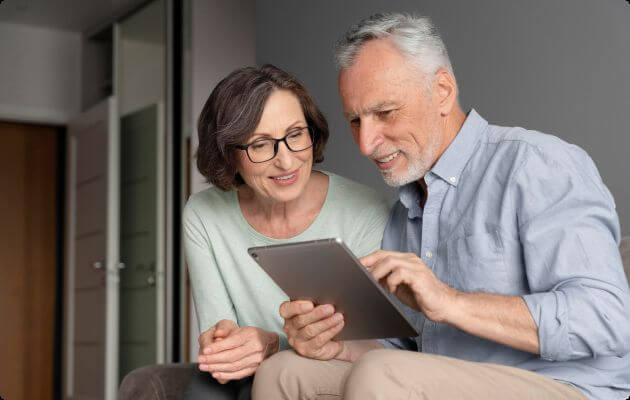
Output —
(311, 329)
(235, 352)
(218, 332)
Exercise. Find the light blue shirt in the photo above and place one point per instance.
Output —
(521, 213)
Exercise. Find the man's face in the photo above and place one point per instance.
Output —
(393, 115)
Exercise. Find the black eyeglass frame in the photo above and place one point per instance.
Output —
(245, 147)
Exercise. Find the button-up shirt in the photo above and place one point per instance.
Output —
(520, 213)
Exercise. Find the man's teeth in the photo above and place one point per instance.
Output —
(388, 158)
(284, 178)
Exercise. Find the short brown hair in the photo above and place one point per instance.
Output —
(233, 111)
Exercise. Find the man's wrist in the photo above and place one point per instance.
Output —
(455, 301)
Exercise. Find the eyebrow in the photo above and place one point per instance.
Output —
(370, 110)
(260, 135)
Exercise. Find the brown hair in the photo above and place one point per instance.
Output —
(233, 111)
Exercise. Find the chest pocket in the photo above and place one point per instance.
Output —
(477, 263)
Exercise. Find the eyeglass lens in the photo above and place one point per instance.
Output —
(265, 149)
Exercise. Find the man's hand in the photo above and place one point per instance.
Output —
(502, 319)
(311, 329)
(230, 352)
(408, 277)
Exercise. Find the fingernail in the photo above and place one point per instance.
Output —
(329, 309)
(306, 306)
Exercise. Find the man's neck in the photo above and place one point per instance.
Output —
(453, 122)
(452, 125)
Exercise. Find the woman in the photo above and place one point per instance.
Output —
(259, 135)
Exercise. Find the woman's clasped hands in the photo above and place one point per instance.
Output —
(229, 352)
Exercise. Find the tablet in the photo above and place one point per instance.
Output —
(326, 272)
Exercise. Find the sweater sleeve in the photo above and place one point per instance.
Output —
(210, 296)
(371, 226)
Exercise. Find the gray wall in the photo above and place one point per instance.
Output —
(221, 39)
(560, 67)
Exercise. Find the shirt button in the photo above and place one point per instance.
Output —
(452, 179)
(428, 254)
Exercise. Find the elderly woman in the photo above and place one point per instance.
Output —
(259, 135)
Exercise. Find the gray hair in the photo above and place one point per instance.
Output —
(414, 36)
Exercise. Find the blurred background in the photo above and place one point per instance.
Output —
(98, 107)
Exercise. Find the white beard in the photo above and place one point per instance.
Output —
(417, 166)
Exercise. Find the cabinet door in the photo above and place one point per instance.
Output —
(141, 239)
(92, 264)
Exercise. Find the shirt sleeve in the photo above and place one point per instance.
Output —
(210, 296)
(569, 232)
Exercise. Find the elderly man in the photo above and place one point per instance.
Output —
(502, 246)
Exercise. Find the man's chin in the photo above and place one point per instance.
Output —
(396, 180)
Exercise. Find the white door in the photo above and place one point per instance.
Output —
(91, 326)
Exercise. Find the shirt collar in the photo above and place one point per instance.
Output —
(409, 195)
(451, 163)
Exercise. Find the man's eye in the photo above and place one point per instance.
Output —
(384, 113)
(355, 122)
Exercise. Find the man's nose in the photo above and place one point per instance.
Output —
(368, 137)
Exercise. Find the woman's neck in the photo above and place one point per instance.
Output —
(284, 219)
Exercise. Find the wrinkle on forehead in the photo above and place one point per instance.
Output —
(379, 74)
(371, 109)
(366, 92)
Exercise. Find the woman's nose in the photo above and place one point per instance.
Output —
(284, 157)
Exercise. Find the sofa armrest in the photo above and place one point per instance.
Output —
(157, 382)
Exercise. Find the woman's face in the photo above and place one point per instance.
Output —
(284, 177)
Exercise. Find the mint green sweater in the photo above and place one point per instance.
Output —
(228, 284)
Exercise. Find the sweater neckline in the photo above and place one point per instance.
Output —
(314, 225)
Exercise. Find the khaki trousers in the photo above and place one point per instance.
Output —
(397, 374)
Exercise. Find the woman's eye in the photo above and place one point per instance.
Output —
(295, 135)
(257, 145)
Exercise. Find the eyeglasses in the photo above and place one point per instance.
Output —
(261, 150)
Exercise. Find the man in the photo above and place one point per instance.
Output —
(502, 246)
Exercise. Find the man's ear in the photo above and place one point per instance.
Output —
(445, 90)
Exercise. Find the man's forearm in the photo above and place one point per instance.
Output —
(354, 349)
(502, 319)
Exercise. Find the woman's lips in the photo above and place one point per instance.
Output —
(286, 179)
